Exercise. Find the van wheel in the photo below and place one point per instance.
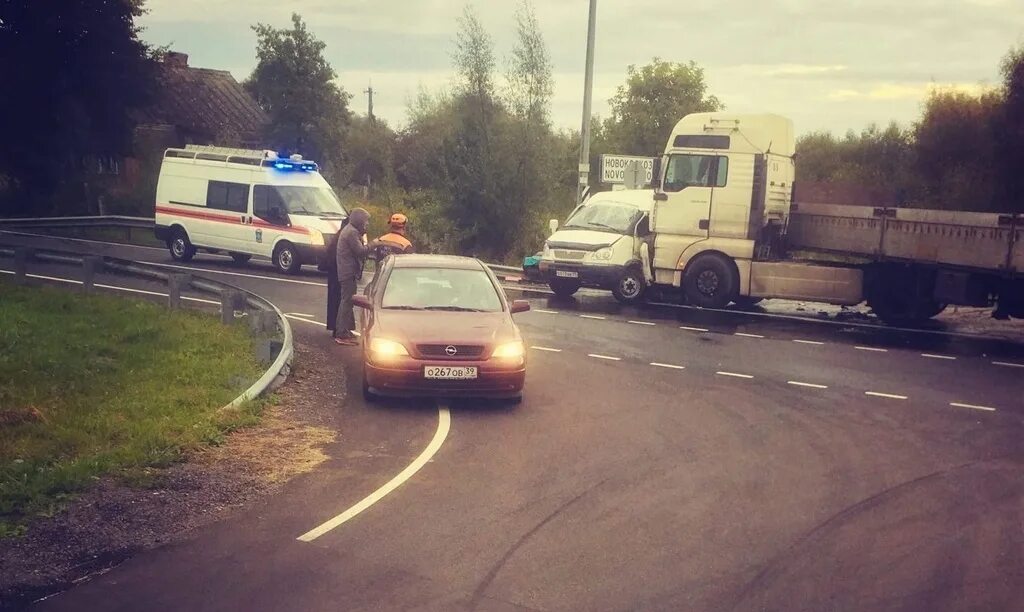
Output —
(241, 258)
(630, 287)
(286, 259)
(180, 246)
(710, 282)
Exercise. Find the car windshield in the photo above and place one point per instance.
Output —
(308, 200)
(440, 289)
(605, 216)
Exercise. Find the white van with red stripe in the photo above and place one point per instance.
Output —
(245, 203)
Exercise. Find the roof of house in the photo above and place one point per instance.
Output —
(208, 103)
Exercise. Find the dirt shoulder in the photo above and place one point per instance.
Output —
(115, 520)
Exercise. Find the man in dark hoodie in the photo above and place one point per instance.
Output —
(350, 255)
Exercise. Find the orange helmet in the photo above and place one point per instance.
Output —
(398, 221)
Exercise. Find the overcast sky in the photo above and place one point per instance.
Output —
(828, 64)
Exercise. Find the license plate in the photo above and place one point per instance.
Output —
(567, 274)
(449, 373)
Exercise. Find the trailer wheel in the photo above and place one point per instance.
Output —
(902, 296)
(710, 282)
(180, 246)
(630, 287)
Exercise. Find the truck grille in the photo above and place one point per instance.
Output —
(566, 254)
(440, 351)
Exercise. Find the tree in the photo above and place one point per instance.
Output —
(1009, 137)
(650, 103)
(294, 84)
(73, 72)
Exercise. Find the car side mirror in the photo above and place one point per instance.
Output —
(520, 306)
(362, 301)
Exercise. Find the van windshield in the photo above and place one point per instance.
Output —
(299, 200)
(605, 217)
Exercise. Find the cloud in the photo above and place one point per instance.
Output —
(903, 91)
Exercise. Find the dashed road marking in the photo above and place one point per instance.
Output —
(642, 323)
(444, 422)
(545, 311)
(595, 317)
(933, 356)
(667, 366)
(748, 335)
(872, 349)
(814, 342)
(1008, 364)
(734, 375)
(605, 357)
(797, 383)
(885, 395)
(693, 329)
(972, 406)
(546, 349)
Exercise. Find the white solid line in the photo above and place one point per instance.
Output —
(1008, 364)
(546, 349)
(872, 349)
(734, 374)
(693, 329)
(885, 395)
(931, 356)
(810, 385)
(226, 273)
(592, 317)
(444, 421)
(748, 335)
(667, 365)
(972, 406)
(814, 342)
(605, 357)
(545, 311)
(300, 314)
(305, 320)
(642, 323)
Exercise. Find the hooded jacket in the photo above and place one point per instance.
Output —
(351, 252)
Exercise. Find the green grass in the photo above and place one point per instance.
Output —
(99, 385)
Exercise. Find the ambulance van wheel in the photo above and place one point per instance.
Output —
(286, 258)
(180, 246)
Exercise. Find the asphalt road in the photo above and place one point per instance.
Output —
(663, 459)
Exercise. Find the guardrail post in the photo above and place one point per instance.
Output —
(175, 283)
(228, 301)
(262, 321)
(90, 265)
(22, 256)
(268, 350)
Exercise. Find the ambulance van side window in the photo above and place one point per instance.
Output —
(233, 197)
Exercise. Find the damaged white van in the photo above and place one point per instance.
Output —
(245, 203)
(605, 244)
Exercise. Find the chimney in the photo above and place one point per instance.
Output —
(175, 59)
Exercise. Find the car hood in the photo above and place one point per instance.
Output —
(584, 240)
(433, 327)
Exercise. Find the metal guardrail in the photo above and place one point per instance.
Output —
(231, 298)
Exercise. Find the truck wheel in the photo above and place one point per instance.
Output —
(710, 282)
(180, 246)
(564, 287)
(241, 258)
(286, 259)
(630, 287)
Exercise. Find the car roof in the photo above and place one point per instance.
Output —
(449, 262)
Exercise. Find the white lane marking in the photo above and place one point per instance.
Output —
(545, 311)
(808, 385)
(312, 321)
(585, 316)
(605, 357)
(1008, 364)
(300, 314)
(546, 349)
(931, 356)
(748, 335)
(972, 406)
(814, 342)
(872, 349)
(242, 274)
(112, 287)
(444, 422)
(734, 374)
(693, 329)
(885, 395)
(667, 365)
(642, 323)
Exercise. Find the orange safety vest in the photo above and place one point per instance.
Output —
(400, 241)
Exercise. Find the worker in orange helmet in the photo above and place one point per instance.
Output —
(395, 241)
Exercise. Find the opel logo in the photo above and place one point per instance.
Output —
(450, 350)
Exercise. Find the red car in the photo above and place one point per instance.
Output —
(440, 326)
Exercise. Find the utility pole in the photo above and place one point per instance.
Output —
(369, 93)
(588, 87)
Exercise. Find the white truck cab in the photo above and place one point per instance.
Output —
(245, 203)
(605, 244)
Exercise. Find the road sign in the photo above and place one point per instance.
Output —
(614, 167)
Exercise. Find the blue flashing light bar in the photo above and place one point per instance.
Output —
(289, 165)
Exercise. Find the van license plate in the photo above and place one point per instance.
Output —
(567, 274)
(449, 373)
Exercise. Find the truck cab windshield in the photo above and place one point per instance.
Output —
(605, 217)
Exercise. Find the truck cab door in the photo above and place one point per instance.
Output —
(682, 208)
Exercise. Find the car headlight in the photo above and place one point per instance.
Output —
(603, 254)
(509, 350)
(316, 238)
(387, 349)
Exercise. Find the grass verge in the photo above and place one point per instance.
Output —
(98, 385)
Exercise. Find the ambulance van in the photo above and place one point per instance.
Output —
(245, 203)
